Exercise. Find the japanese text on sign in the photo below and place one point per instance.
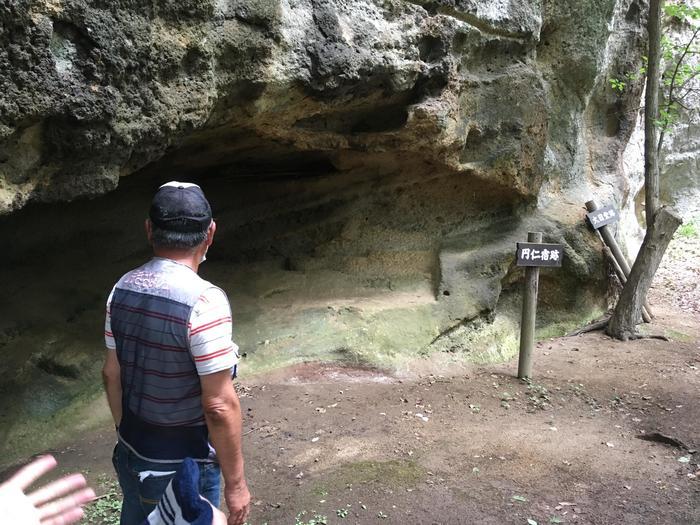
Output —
(602, 216)
(534, 254)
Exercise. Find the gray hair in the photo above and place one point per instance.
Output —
(161, 238)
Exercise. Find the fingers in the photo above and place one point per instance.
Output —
(238, 503)
(53, 508)
(239, 517)
(57, 489)
(62, 507)
(68, 517)
(33, 471)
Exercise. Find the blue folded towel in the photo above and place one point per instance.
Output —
(181, 503)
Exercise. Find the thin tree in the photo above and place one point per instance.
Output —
(661, 221)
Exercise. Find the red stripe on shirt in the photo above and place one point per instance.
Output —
(159, 346)
(149, 313)
(211, 324)
(212, 355)
(158, 373)
(109, 334)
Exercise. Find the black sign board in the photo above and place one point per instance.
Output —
(602, 216)
(539, 254)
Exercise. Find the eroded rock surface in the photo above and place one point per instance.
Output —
(96, 90)
(680, 151)
(371, 165)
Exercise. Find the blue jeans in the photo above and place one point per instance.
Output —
(144, 482)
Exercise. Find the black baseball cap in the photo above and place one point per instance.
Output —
(180, 207)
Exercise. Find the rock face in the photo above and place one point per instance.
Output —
(680, 152)
(371, 165)
(92, 91)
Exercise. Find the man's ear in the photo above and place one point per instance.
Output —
(149, 230)
(210, 232)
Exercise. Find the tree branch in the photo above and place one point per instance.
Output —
(671, 86)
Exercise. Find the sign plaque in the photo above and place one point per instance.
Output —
(539, 254)
(603, 216)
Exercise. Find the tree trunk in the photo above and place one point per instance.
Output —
(661, 223)
(651, 113)
(623, 323)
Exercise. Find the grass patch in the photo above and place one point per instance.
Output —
(393, 474)
(689, 230)
(317, 519)
(106, 509)
(675, 335)
(559, 324)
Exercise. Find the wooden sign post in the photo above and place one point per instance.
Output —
(532, 254)
(600, 218)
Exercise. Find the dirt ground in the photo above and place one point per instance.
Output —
(477, 445)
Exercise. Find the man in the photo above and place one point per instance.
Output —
(170, 360)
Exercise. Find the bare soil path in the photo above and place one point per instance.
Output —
(477, 445)
(480, 446)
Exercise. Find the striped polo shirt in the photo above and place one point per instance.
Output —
(168, 327)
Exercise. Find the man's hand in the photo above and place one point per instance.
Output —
(58, 503)
(238, 503)
(222, 411)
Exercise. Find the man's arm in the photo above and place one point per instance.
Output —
(222, 411)
(111, 377)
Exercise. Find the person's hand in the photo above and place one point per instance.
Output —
(238, 503)
(58, 503)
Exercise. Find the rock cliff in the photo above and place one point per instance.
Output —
(498, 91)
(371, 165)
(680, 152)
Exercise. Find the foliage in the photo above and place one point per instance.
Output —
(107, 508)
(681, 67)
(617, 85)
(688, 230)
(682, 11)
(316, 520)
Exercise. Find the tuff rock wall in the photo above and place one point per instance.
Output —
(371, 165)
(503, 92)
(680, 152)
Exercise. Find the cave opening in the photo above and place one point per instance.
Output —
(324, 256)
(299, 231)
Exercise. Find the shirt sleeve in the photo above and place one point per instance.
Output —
(210, 333)
(109, 336)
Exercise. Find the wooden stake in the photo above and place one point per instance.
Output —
(609, 239)
(527, 324)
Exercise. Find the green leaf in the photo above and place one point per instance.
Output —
(519, 498)
(531, 522)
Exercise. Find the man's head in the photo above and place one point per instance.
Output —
(180, 218)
